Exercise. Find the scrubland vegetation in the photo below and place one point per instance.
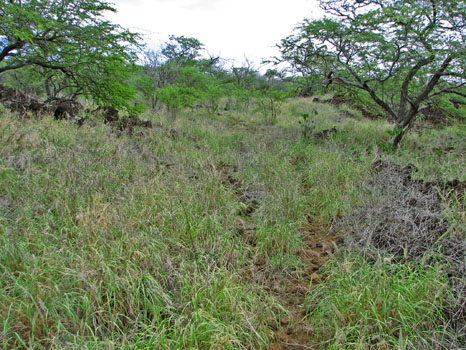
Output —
(163, 199)
(225, 232)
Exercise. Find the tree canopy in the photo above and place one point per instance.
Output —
(72, 43)
(402, 53)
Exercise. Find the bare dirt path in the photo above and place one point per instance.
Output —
(292, 331)
(296, 332)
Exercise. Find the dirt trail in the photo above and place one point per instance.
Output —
(293, 330)
(296, 332)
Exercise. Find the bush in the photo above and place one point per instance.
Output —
(270, 101)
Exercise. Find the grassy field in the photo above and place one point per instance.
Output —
(226, 232)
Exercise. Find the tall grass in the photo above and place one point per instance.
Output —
(382, 305)
(111, 240)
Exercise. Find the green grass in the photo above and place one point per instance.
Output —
(382, 305)
(103, 242)
(110, 240)
(437, 152)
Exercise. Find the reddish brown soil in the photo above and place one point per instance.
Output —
(296, 332)
(291, 328)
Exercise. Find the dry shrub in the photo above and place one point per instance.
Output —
(403, 220)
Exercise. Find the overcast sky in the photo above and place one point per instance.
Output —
(232, 29)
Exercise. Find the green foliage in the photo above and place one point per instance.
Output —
(360, 99)
(145, 84)
(73, 44)
(176, 96)
(450, 105)
(176, 76)
(213, 90)
(239, 97)
(193, 87)
(28, 79)
(114, 87)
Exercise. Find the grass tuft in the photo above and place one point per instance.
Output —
(381, 305)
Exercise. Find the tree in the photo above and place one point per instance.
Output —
(243, 80)
(162, 67)
(270, 100)
(401, 53)
(181, 48)
(246, 75)
(72, 43)
(196, 85)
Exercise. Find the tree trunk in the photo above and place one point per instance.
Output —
(48, 89)
(397, 139)
(403, 124)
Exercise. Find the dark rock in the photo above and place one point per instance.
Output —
(63, 112)
(109, 113)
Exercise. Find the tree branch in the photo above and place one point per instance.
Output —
(407, 119)
(372, 93)
(15, 46)
(14, 66)
(364, 86)
(404, 88)
(450, 90)
(434, 80)
(36, 62)
(379, 101)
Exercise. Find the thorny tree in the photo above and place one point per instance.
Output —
(72, 43)
(402, 53)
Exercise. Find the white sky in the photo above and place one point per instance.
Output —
(231, 29)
